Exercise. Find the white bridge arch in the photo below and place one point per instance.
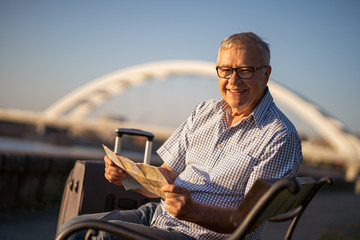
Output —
(81, 102)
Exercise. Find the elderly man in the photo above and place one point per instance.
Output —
(212, 160)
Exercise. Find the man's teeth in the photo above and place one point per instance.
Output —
(235, 91)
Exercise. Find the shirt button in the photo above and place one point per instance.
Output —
(219, 146)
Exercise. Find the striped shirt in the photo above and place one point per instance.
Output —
(219, 164)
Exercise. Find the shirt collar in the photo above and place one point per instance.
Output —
(261, 109)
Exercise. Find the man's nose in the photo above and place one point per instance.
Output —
(235, 79)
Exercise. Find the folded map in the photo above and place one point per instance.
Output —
(139, 175)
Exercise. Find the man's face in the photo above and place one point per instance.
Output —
(243, 95)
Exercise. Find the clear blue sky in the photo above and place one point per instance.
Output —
(49, 48)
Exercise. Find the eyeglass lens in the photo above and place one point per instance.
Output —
(242, 72)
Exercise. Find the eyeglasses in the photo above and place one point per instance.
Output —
(242, 72)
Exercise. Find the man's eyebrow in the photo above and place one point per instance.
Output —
(242, 66)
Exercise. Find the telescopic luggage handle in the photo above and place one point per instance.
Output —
(135, 132)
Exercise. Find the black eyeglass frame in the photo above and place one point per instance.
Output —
(236, 70)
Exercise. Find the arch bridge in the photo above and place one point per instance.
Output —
(79, 103)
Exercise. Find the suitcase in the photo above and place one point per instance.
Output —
(88, 191)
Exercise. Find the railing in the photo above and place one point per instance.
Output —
(32, 181)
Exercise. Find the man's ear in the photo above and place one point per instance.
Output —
(267, 73)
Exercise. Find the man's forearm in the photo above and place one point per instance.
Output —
(214, 218)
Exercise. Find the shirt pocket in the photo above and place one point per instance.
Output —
(230, 175)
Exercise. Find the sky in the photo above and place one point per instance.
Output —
(50, 48)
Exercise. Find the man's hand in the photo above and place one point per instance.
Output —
(182, 206)
(113, 173)
(179, 202)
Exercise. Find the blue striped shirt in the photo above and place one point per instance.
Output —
(219, 164)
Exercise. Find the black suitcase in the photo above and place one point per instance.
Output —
(87, 190)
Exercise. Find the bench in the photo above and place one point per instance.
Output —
(269, 199)
(275, 200)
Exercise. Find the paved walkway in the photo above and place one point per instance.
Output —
(331, 215)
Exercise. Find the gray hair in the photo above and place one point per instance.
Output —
(247, 37)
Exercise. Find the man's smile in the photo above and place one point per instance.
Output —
(237, 90)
